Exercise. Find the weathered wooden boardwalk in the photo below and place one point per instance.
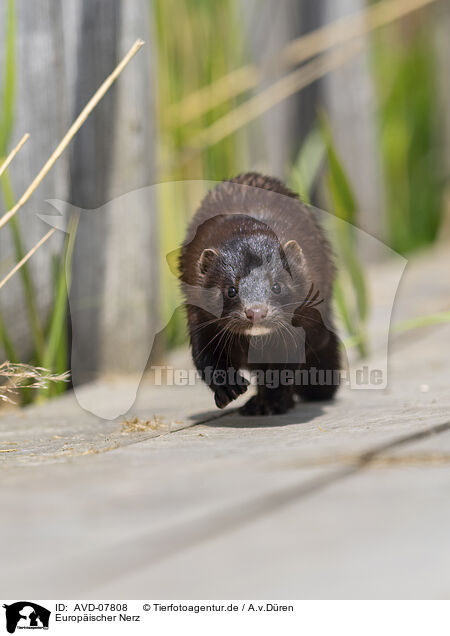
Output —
(349, 499)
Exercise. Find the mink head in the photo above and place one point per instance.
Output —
(262, 282)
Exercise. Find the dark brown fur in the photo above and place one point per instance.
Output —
(254, 235)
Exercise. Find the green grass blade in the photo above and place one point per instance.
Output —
(350, 257)
(9, 80)
(356, 330)
(440, 318)
(403, 326)
(341, 190)
(29, 291)
(306, 168)
(342, 305)
(6, 125)
(407, 79)
(345, 208)
(58, 320)
(6, 342)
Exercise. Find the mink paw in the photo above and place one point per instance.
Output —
(258, 405)
(225, 394)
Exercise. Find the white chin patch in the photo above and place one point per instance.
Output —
(257, 330)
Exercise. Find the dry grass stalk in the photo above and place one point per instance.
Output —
(57, 153)
(27, 256)
(18, 376)
(136, 425)
(296, 52)
(273, 95)
(201, 101)
(348, 28)
(13, 153)
(75, 127)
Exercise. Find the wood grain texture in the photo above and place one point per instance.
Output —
(332, 500)
(79, 45)
(42, 110)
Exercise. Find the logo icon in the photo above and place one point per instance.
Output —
(26, 615)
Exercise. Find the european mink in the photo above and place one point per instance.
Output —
(257, 274)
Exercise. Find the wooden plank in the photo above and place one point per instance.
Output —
(220, 484)
(331, 500)
(114, 265)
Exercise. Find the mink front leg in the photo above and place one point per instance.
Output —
(269, 401)
(322, 352)
(327, 361)
(216, 370)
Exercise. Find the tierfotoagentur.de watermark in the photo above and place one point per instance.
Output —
(361, 377)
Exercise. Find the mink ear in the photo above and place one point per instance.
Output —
(293, 253)
(207, 258)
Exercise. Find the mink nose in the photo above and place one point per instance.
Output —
(256, 313)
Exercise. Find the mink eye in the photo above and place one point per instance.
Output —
(232, 291)
(276, 288)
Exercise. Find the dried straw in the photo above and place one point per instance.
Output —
(58, 152)
(13, 153)
(75, 127)
(27, 256)
(17, 376)
(296, 52)
(273, 95)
